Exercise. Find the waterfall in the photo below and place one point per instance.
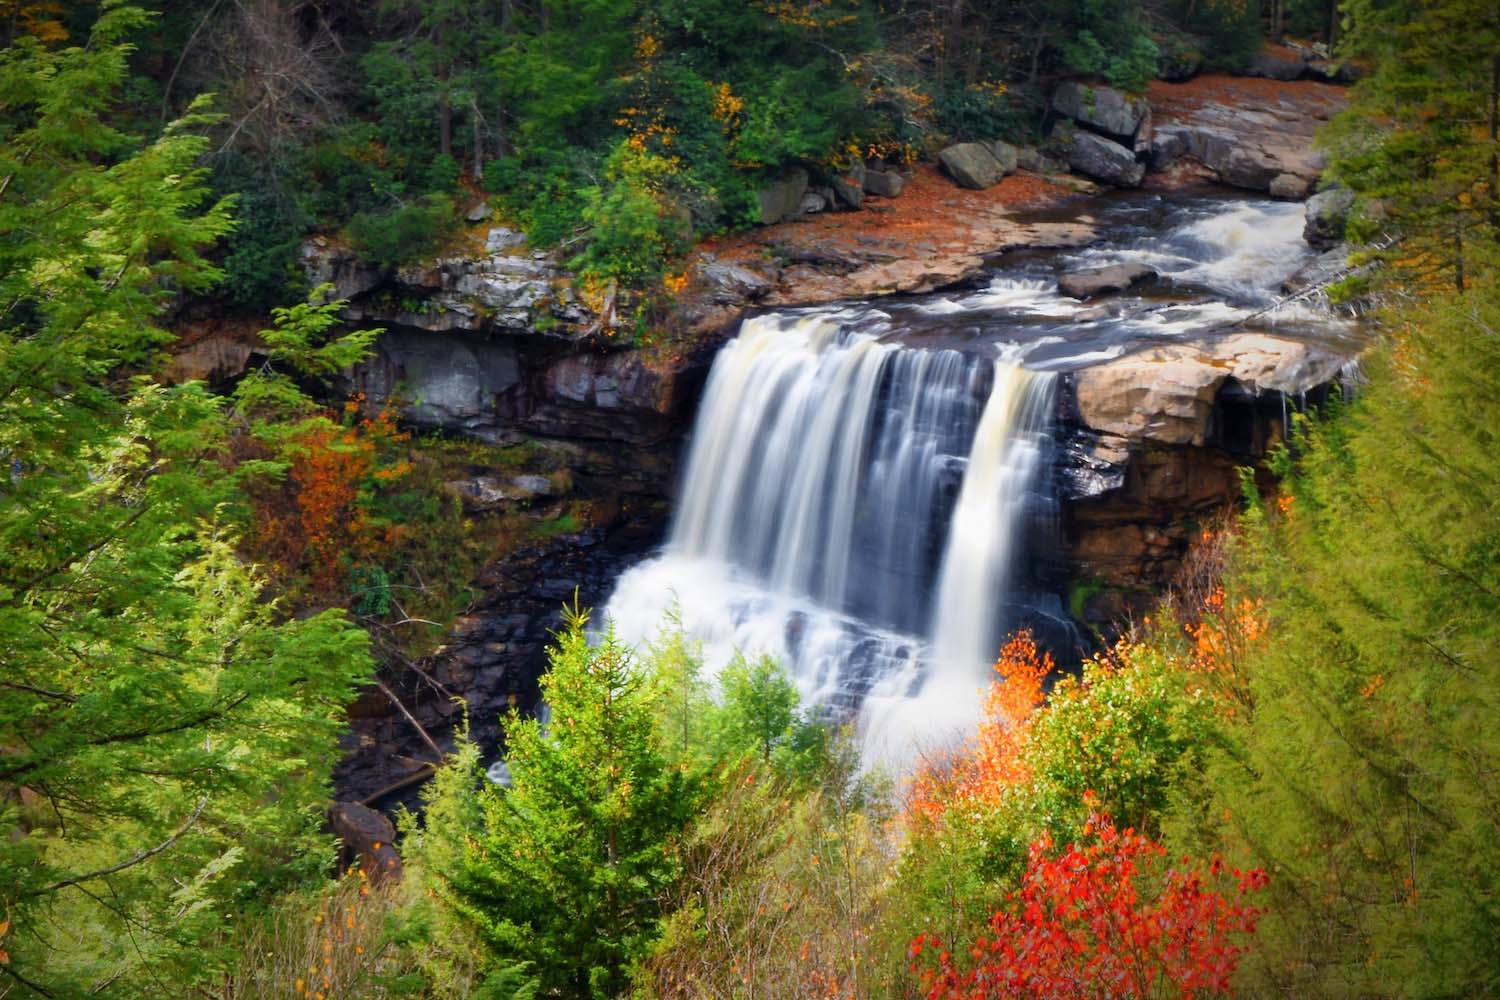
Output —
(850, 506)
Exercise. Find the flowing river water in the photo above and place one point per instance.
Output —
(865, 481)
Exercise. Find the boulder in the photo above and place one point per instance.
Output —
(446, 382)
(1166, 146)
(1178, 60)
(972, 165)
(1102, 109)
(783, 199)
(479, 212)
(1104, 280)
(1289, 187)
(849, 191)
(326, 263)
(370, 836)
(1095, 156)
(1277, 63)
(730, 283)
(1007, 154)
(1327, 214)
(1032, 159)
(503, 238)
(811, 204)
(884, 183)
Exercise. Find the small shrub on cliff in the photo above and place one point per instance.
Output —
(404, 235)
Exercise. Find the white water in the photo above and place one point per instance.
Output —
(821, 513)
(857, 508)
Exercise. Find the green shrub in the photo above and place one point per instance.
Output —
(410, 232)
(632, 230)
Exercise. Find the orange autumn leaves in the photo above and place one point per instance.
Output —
(994, 759)
(321, 517)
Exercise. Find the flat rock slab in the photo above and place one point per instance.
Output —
(1104, 280)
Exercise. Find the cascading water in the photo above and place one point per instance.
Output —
(849, 507)
(862, 483)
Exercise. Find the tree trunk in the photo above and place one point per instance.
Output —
(1494, 136)
(445, 122)
(478, 138)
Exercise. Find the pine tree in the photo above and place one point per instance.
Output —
(1419, 141)
(164, 737)
(568, 867)
(1364, 779)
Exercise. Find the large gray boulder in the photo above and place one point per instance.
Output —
(1277, 64)
(783, 199)
(1095, 156)
(1104, 280)
(1101, 109)
(1327, 214)
(884, 183)
(972, 165)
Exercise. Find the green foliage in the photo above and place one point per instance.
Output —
(632, 230)
(1360, 774)
(1419, 136)
(404, 234)
(1112, 40)
(167, 736)
(566, 868)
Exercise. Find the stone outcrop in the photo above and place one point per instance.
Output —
(1152, 445)
(1105, 110)
(1104, 280)
(1168, 394)
(1244, 137)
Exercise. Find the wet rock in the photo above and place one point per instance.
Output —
(972, 165)
(1104, 280)
(1324, 269)
(1327, 214)
(1102, 109)
(783, 199)
(370, 836)
(884, 183)
(1097, 157)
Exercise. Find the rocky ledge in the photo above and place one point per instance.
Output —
(1152, 447)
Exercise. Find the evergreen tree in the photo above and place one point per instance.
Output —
(164, 737)
(568, 867)
(1419, 140)
(1364, 779)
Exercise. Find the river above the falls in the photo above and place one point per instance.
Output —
(866, 482)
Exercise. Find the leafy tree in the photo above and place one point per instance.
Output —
(161, 726)
(1109, 919)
